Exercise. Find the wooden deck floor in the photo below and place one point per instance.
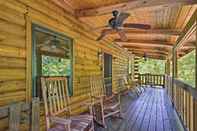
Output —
(152, 111)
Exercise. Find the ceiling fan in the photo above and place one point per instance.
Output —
(116, 24)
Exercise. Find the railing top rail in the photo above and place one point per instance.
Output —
(4, 109)
(151, 74)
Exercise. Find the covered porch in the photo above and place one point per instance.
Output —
(71, 65)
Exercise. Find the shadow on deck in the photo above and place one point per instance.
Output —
(152, 111)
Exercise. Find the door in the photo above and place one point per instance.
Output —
(108, 73)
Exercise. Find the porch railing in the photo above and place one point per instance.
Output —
(184, 98)
(21, 115)
(151, 79)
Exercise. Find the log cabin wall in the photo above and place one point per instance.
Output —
(16, 18)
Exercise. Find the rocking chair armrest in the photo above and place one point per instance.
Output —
(114, 95)
(97, 97)
(59, 120)
(86, 103)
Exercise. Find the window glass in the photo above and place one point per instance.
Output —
(55, 66)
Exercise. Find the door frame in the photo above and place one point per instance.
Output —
(103, 71)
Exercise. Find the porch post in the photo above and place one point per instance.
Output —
(167, 67)
(195, 101)
(174, 72)
(196, 54)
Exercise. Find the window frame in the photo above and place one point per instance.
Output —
(38, 28)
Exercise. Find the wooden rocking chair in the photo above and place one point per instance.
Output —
(56, 103)
(132, 86)
(103, 106)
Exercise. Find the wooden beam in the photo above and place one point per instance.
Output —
(131, 5)
(147, 48)
(188, 31)
(148, 51)
(144, 42)
(161, 57)
(63, 4)
(151, 31)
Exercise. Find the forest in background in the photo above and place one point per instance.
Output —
(152, 66)
(54, 66)
(186, 67)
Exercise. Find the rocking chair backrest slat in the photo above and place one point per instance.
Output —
(97, 86)
(126, 80)
(55, 95)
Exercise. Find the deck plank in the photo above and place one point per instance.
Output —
(152, 111)
(152, 123)
(139, 120)
(159, 115)
(139, 108)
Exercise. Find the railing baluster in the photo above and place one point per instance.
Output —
(152, 79)
(185, 101)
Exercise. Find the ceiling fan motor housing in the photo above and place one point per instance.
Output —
(112, 21)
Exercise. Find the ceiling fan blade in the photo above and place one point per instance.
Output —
(104, 33)
(121, 18)
(138, 26)
(122, 35)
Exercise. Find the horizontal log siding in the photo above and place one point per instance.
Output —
(13, 51)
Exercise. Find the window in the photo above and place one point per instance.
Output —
(52, 56)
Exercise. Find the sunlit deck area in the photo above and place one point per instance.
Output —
(152, 111)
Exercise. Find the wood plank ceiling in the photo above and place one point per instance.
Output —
(166, 17)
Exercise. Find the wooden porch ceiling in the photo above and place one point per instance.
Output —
(166, 17)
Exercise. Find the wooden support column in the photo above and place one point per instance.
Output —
(174, 72)
(28, 57)
(194, 124)
(196, 55)
(167, 67)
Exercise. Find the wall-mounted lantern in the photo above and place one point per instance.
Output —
(100, 59)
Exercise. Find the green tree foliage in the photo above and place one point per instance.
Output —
(53, 66)
(186, 68)
(152, 66)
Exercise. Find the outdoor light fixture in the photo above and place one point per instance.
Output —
(99, 54)
(100, 59)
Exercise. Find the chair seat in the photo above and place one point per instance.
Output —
(78, 123)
